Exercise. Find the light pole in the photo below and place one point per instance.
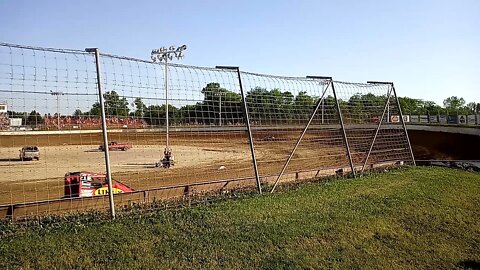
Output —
(163, 55)
(58, 94)
(220, 111)
(219, 94)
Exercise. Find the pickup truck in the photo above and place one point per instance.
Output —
(29, 153)
(112, 146)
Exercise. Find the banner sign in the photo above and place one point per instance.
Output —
(462, 119)
(414, 118)
(395, 119)
(452, 119)
(433, 119)
(423, 118)
(406, 118)
(471, 119)
(442, 119)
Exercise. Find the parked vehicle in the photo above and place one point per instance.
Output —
(112, 146)
(29, 153)
(88, 184)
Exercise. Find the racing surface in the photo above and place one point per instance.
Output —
(203, 157)
(199, 157)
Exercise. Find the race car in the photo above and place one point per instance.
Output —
(115, 146)
(88, 184)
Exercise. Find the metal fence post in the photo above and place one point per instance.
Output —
(104, 130)
(247, 123)
(317, 106)
(345, 139)
(403, 124)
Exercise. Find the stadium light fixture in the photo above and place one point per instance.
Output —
(165, 55)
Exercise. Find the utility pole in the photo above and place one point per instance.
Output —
(58, 94)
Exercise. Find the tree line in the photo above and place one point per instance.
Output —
(222, 106)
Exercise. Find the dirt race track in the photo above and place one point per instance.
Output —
(198, 157)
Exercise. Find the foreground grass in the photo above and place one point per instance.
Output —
(409, 218)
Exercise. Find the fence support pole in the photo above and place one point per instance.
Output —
(345, 139)
(378, 128)
(247, 123)
(319, 103)
(104, 130)
(403, 124)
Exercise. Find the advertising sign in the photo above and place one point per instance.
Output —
(424, 119)
(414, 118)
(15, 122)
(471, 119)
(452, 119)
(433, 118)
(462, 119)
(395, 118)
(442, 119)
(104, 191)
(406, 118)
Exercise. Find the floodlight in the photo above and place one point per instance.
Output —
(163, 55)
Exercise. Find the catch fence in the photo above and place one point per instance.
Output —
(173, 131)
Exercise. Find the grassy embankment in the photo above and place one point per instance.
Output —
(408, 218)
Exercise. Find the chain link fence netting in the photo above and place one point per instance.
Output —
(175, 131)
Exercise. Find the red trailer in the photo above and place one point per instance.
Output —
(88, 184)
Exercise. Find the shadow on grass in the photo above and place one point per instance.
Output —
(469, 264)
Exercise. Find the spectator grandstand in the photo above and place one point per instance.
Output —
(4, 122)
(87, 122)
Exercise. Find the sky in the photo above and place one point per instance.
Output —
(429, 49)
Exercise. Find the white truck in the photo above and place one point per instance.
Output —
(29, 153)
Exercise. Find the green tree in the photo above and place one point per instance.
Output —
(411, 105)
(453, 104)
(220, 104)
(361, 108)
(304, 105)
(258, 104)
(156, 115)
(77, 113)
(431, 108)
(115, 105)
(274, 106)
(140, 107)
(473, 108)
(95, 110)
(34, 118)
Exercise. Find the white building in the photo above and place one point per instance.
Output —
(3, 108)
